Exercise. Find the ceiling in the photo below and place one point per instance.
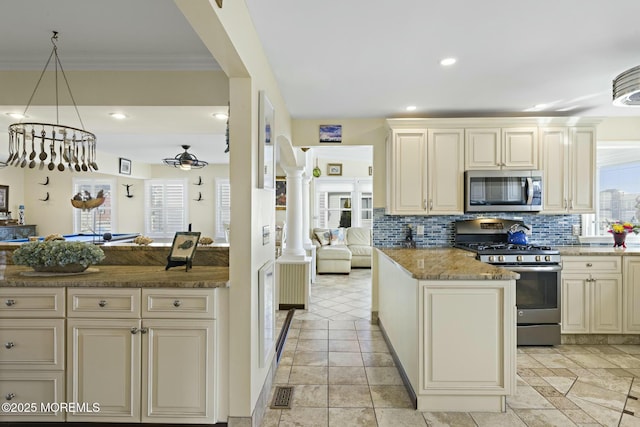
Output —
(348, 59)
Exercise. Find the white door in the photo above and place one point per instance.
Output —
(631, 295)
(483, 149)
(520, 148)
(606, 304)
(408, 175)
(555, 166)
(583, 166)
(445, 154)
(575, 303)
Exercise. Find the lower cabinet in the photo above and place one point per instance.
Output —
(592, 295)
(631, 295)
(141, 369)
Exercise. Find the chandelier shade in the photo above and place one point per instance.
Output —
(626, 88)
(48, 142)
(185, 160)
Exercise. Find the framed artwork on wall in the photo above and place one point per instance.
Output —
(281, 193)
(266, 141)
(4, 198)
(334, 169)
(125, 166)
(331, 133)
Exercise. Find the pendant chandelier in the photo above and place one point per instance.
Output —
(185, 161)
(46, 142)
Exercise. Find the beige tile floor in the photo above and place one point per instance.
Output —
(343, 374)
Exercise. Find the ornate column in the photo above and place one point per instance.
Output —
(306, 210)
(294, 249)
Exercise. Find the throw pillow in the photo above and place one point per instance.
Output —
(324, 237)
(337, 237)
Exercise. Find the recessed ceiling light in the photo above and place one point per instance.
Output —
(221, 116)
(411, 108)
(448, 61)
(119, 116)
(16, 115)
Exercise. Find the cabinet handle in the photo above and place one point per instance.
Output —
(9, 396)
(431, 204)
(134, 331)
(144, 330)
(571, 204)
(589, 264)
(102, 303)
(9, 345)
(10, 302)
(177, 303)
(566, 205)
(425, 204)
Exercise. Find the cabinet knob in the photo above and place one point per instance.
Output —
(134, 331)
(9, 345)
(9, 396)
(144, 330)
(10, 302)
(102, 303)
(177, 303)
(589, 264)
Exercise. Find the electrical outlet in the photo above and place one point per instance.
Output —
(420, 230)
(575, 229)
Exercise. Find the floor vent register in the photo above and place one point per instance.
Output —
(282, 397)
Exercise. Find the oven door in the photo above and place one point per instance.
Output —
(538, 294)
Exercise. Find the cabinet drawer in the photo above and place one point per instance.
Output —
(31, 302)
(32, 344)
(179, 303)
(31, 387)
(588, 264)
(104, 303)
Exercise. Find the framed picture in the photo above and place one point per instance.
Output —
(281, 193)
(334, 169)
(266, 141)
(182, 249)
(125, 166)
(267, 308)
(330, 133)
(4, 198)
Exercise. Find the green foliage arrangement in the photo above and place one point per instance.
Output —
(57, 253)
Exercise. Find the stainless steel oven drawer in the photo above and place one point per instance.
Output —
(538, 334)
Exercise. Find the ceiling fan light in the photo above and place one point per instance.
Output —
(185, 160)
(626, 88)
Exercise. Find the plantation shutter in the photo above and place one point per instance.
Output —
(223, 206)
(165, 207)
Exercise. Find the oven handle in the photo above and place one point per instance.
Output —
(537, 268)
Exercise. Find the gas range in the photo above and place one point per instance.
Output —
(512, 254)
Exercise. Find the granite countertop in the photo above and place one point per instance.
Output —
(121, 276)
(598, 250)
(445, 264)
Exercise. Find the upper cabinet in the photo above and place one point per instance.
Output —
(426, 172)
(501, 148)
(569, 164)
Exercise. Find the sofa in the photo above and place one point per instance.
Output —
(338, 250)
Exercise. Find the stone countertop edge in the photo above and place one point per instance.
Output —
(597, 250)
(122, 276)
(445, 264)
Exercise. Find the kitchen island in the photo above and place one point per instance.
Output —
(450, 322)
(142, 343)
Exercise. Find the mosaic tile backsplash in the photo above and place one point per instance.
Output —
(391, 230)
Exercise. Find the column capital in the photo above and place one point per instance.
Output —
(294, 170)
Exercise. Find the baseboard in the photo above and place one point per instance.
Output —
(403, 374)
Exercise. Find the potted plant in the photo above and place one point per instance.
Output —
(620, 230)
(58, 256)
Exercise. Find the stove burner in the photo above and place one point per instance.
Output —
(505, 247)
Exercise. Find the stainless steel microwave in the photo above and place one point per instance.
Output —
(503, 191)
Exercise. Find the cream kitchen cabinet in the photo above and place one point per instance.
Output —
(32, 354)
(631, 295)
(501, 148)
(592, 294)
(568, 162)
(145, 355)
(425, 172)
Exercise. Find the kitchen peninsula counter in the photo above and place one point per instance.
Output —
(598, 250)
(450, 322)
(120, 276)
(445, 264)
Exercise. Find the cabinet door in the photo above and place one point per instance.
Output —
(29, 387)
(408, 174)
(631, 295)
(445, 154)
(606, 304)
(575, 303)
(104, 367)
(555, 166)
(483, 149)
(520, 148)
(583, 166)
(178, 371)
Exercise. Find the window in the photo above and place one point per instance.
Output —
(101, 219)
(223, 206)
(165, 207)
(617, 187)
(343, 203)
